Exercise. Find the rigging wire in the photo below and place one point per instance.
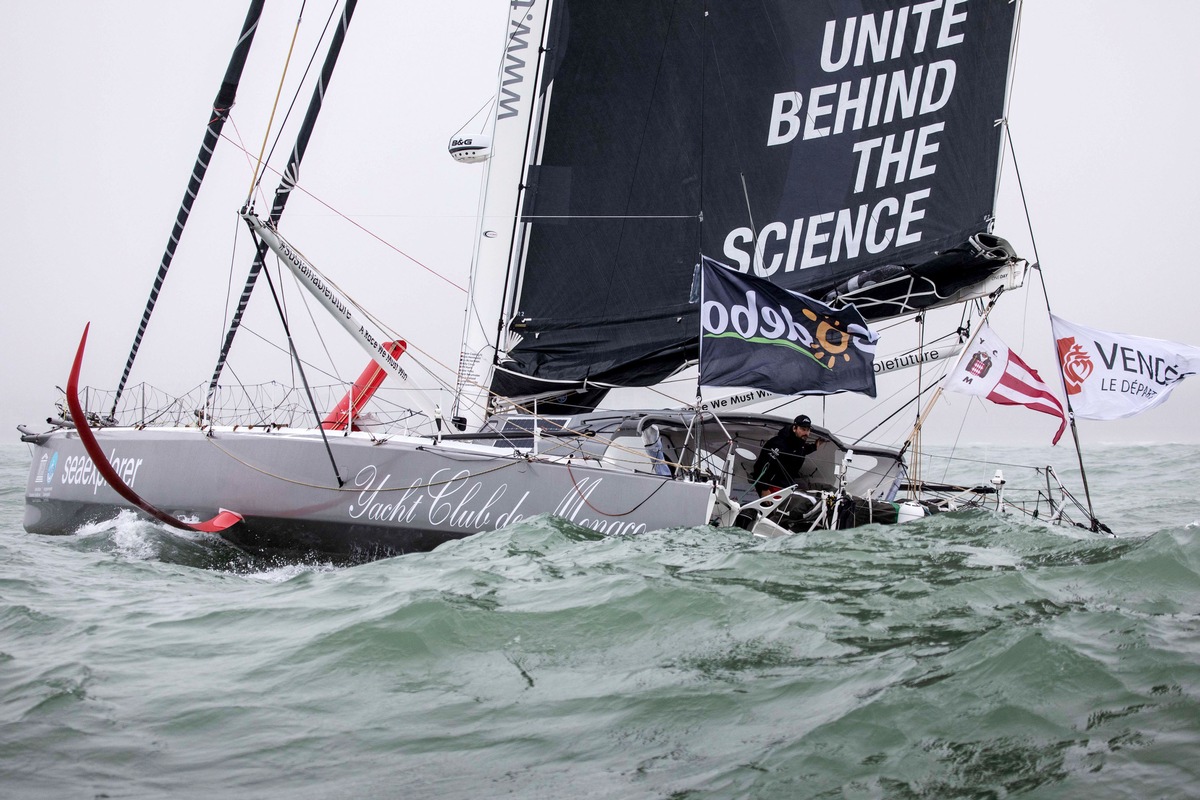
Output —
(220, 113)
(491, 101)
(312, 58)
(704, 41)
(1095, 523)
(287, 182)
(924, 415)
(210, 401)
(963, 332)
(275, 105)
(281, 195)
(534, 134)
(238, 228)
(354, 222)
(916, 438)
(307, 390)
(305, 302)
(957, 437)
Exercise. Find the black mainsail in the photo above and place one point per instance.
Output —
(810, 142)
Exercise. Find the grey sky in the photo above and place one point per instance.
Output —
(107, 103)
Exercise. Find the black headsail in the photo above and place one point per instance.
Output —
(807, 141)
(212, 133)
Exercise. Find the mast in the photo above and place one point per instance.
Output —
(286, 183)
(212, 133)
(515, 137)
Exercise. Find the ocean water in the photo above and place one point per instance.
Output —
(963, 656)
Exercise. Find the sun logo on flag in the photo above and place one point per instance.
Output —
(829, 340)
(1076, 364)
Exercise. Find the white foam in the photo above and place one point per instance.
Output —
(129, 533)
(285, 572)
(988, 556)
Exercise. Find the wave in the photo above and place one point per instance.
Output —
(962, 655)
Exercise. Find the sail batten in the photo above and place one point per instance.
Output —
(798, 143)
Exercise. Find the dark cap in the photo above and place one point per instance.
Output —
(802, 421)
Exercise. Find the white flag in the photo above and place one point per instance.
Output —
(1115, 375)
(990, 369)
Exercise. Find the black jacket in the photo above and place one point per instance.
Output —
(778, 464)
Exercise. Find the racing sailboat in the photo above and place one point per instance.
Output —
(849, 158)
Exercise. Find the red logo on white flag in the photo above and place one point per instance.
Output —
(1124, 374)
(1076, 364)
(1017, 384)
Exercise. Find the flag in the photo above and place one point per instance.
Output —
(756, 334)
(1115, 375)
(990, 369)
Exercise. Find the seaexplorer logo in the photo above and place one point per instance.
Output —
(80, 471)
(1077, 365)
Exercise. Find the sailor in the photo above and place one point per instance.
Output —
(782, 457)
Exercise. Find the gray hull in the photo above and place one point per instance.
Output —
(401, 495)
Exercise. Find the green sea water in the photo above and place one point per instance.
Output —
(963, 656)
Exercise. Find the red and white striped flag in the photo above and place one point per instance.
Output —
(990, 369)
